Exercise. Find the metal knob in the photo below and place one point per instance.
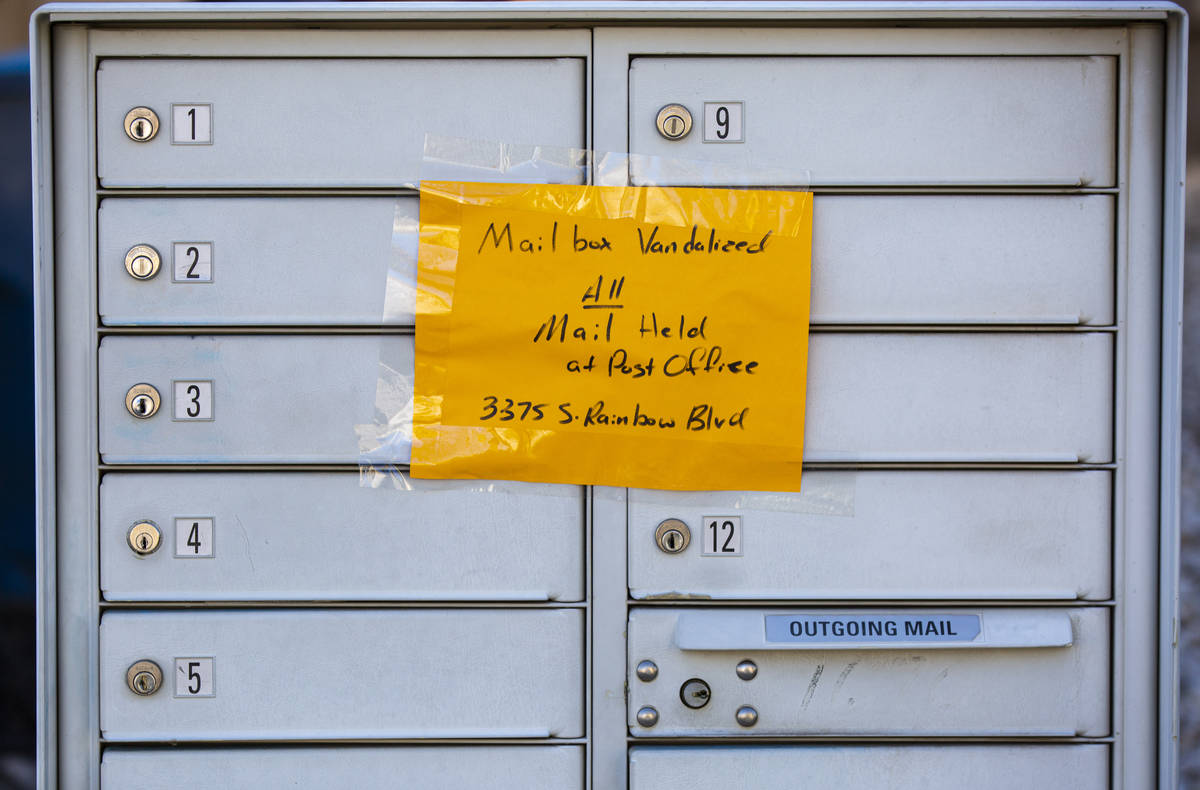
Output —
(746, 670)
(144, 538)
(141, 124)
(746, 716)
(647, 671)
(142, 401)
(695, 693)
(143, 678)
(647, 716)
(674, 122)
(142, 262)
(672, 536)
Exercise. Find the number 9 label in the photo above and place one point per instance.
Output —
(723, 122)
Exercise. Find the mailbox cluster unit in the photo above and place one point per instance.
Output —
(225, 193)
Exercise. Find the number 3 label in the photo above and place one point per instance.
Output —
(722, 536)
(193, 400)
(194, 677)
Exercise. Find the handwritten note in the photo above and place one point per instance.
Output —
(624, 336)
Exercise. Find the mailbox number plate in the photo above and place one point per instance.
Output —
(722, 536)
(194, 677)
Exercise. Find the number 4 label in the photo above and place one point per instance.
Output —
(194, 537)
(194, 677)
(722, 536)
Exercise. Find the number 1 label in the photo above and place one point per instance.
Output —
(722, 536)
(191, 124)
(194, 677)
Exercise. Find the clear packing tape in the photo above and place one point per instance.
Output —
(483, 332)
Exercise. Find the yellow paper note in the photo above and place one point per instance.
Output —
(625, 336)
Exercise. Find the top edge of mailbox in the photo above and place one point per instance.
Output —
(324, 122)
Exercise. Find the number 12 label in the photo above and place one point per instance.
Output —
(722, 536)
(194, 677)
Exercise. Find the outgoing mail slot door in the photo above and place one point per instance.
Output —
(344, 674)
(857, 767)
(358, 767)
(885, 120)
(877, 259)
(952, 672)
(337, 122)
(883, 534)
(339, 536)
(872, 397)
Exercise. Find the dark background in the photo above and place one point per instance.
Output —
(17, 665)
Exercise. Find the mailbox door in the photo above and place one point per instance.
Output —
(289, 122)
(344, 768)
(1024, 686)
(873, 397)
(350, 674)
(859, 767)
(260, 261)
(877, 259)
(883, 534)
(887, 120)
(340, 536)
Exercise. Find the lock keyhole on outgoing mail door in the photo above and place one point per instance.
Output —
(695, 693)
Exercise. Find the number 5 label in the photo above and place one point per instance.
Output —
(194, 677)
(722, 536)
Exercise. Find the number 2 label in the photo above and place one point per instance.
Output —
(192, 262)
(722, 536)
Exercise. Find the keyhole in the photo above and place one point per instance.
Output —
(140, 128)
(140, 404)
(673, 541)
(144, 542)
(144, 682)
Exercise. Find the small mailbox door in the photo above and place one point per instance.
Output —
(885, 120)
(344, 674)
(882, 534)
(859, 767)
(873, 397)
(357, 767)
(275, 536)
(290, 122)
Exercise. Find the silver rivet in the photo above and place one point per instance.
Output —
(142, 401)
(746, 670)
(143, 678)
(695, 693)
(141, 124)
(647, 671)
(647, 716)
(746, 716)
(672, 536)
